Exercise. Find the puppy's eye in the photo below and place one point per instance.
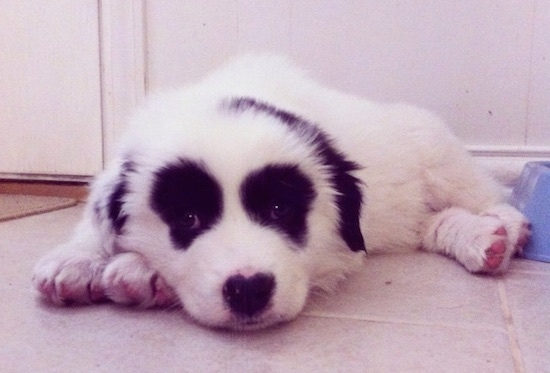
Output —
(190, 221)
(279, 211)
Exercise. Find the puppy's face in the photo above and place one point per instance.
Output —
(242, 211)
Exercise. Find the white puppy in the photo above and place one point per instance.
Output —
(237, 196)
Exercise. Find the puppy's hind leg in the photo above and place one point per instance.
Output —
(480, 243)
(468, 221)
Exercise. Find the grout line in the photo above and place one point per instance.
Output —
(512, 334)
(382, 320)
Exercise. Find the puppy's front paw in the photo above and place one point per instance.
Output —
(65, 278)
(128, 279)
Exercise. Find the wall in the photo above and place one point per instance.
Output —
(71, 74)
(483, 65)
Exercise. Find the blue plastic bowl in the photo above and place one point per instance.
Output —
(532, 197)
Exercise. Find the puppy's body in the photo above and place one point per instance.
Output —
(258, 181)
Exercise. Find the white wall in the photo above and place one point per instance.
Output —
(483, 65)
(71, 71)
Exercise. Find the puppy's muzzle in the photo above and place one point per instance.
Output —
(249, 296)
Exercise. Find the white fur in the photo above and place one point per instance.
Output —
(421, 189)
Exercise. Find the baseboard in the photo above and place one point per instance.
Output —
(507, 162)
(78, 191)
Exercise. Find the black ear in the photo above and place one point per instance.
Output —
(349, 197)
(115, 203)
(349, 202)
(111, 199)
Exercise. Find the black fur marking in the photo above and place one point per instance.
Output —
(188, 199)
(279, 197)
(349, 197)
(245, 104)
(115, 206)
(97, 211)
(118, 194)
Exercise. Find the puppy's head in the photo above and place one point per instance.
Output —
(242, 207)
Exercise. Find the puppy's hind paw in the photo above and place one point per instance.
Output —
(517, 226)
(128, 280)
(496, 254)
(481, 243)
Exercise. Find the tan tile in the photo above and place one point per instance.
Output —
(113, 339)
(532, 266)
(529, 299)
(415, 288)
(426, 312)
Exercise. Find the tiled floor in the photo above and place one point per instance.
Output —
(403, 313)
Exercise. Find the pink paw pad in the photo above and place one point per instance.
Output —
(495, 253)
(501, 232)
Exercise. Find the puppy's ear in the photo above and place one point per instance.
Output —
(349, 202)
(115, 204)
(109, 195)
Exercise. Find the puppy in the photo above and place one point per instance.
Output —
(238, 196)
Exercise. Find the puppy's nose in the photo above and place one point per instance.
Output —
(248, 296)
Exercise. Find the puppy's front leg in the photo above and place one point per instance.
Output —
(128, 279)
(72, 272)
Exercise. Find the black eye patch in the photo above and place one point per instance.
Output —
(279, 197)
(188, 199)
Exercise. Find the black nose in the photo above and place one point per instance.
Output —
(248, 296)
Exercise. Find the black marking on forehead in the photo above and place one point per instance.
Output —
(349, 197)
(279, 196)
(244, 104)
(188, 199)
